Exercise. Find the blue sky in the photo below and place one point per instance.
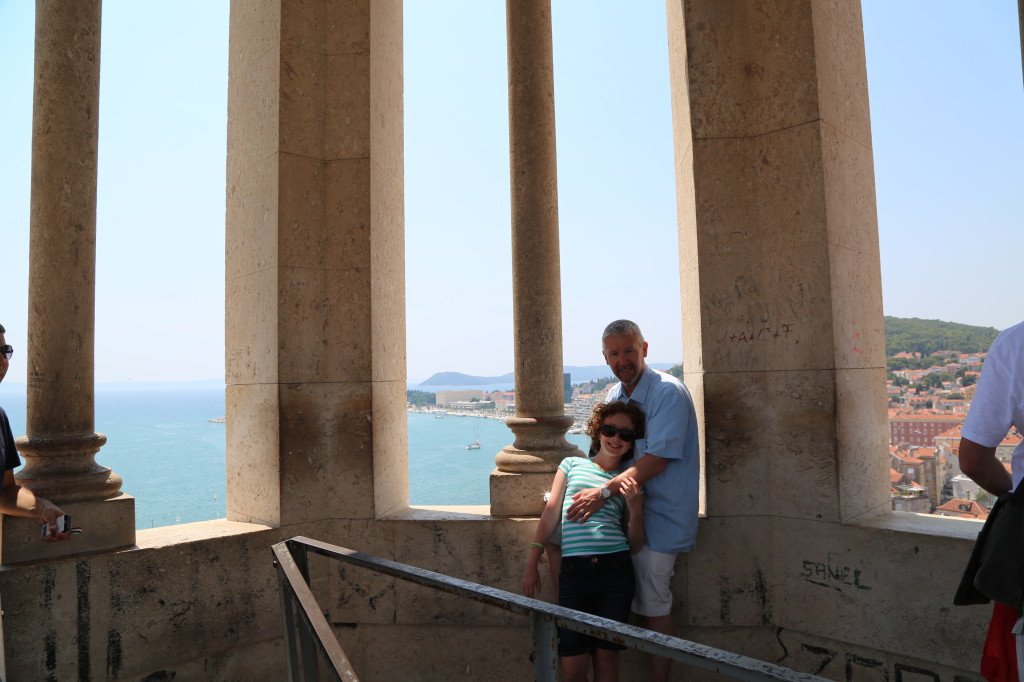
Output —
(947, 103)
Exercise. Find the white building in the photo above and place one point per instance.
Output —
(446, 398)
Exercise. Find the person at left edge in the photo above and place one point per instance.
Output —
(18, 500)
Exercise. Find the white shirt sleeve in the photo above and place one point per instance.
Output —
(998, 397)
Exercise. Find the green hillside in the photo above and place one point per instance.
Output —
(913, 335)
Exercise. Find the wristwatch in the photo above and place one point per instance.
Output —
(606, 492)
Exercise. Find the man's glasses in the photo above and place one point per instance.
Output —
(628, 435)
(7, 351)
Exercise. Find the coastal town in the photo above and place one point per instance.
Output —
(928, 397)
(928, 401)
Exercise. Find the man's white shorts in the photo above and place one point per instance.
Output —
(654, 571)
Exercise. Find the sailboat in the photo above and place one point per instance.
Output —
(475, 445)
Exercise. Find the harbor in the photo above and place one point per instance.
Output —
(443, 470)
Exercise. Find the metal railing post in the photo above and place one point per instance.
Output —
(545, 648)
(289, 623)
(301, 558)
(310, 666)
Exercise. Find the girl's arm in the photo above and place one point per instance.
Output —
(548, 520)
(633, 493)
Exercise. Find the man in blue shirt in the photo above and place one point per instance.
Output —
(667, 463)
(15, 499)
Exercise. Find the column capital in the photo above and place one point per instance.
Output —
(525, 468)
(539, 444)
(64, 469)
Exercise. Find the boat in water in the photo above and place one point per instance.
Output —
(475, 445)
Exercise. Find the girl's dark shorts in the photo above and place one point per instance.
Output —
(600, 584)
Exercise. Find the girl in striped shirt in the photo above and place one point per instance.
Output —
(596, 575)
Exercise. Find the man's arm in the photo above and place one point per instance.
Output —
(980, 464)
(588, 501)
(18, 500)
(643, 470)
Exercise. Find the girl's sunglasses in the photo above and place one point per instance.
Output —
(7, 351)
(628, 435)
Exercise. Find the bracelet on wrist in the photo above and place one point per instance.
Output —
(537, 544)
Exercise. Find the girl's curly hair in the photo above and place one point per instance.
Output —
(604, 410)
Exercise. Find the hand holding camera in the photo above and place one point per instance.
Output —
(63, 532)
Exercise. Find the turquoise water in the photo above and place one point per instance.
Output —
(442, 471)
(163, 445)
(171, 457)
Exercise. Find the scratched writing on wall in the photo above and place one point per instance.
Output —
(849, 666)
(825, 574)
(781, 332)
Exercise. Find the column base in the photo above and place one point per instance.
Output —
(519, 494)
(106, 524)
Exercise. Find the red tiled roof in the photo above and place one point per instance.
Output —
(904, 456)
(929, 415)
(925, 452)
(963, 508)
(1012, 438)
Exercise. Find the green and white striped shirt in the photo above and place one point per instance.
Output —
(603, 532)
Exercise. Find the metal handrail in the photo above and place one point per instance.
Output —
(315, 635)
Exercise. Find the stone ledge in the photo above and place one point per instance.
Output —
(468, 512)
(922, 524)
(154, 538)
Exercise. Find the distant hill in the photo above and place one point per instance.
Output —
(578, 375)
(460, 379)
(913, 335)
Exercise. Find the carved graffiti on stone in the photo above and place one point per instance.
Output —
(763, 334)
(825, 574)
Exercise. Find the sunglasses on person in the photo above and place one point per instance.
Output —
(7, 350)
(609, 430)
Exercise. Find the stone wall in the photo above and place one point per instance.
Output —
(871, 601)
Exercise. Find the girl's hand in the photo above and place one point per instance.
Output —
(629, 488)
(531, 581)
(633, 493)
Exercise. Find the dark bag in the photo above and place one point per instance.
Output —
(996, 567)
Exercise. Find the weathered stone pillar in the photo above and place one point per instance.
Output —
(781, 278)
(315, 320)
(61, 444)
(781, 291)
(525, 468)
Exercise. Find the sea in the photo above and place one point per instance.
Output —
(170, 455)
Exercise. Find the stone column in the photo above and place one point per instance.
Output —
(525, 468)
(781, 291)
(780, 269)
(315, 319)
(61, 444)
